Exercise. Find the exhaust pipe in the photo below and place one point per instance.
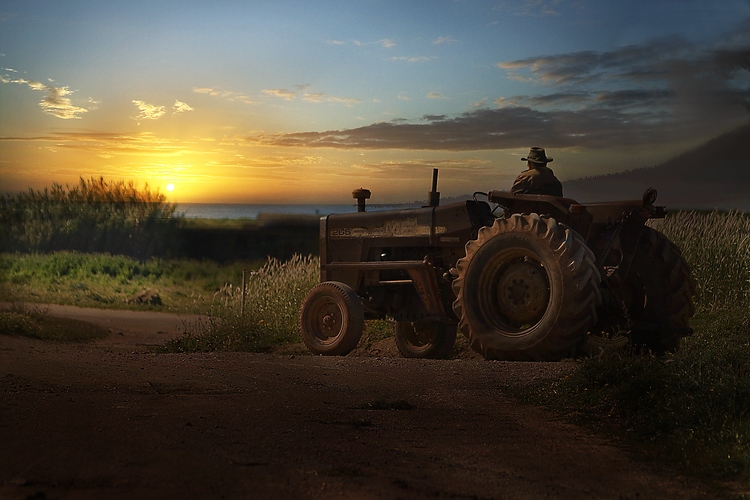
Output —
(433, 197)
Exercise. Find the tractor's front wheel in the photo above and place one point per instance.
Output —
(425, 339)
(331, 319)
(527, 289)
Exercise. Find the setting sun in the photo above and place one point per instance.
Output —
(170, 187)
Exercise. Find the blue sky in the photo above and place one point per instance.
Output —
(280, 101)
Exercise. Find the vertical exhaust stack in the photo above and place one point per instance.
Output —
(433, 197)
(361, 195)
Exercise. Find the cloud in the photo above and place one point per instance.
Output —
(346, 101)
(108, 144)
(444, 39)
(640, 95)
(386, 43)
(180, 107)
(287, 95)
(436, 95)
(414, 59)
(55, 103)
(148, 111)
(316, 97)
(225, 94)
(537, 8)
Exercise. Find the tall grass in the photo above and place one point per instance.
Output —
(692, 407)
(717, 247)
(94, 216)
(263, 317)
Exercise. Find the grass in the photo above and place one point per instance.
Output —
(691, 408)
(103, 280)
(264, 317)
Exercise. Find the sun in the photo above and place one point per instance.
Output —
(170, 187)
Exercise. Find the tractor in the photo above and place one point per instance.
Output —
(522, 277)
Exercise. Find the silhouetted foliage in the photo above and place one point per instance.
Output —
(94, 216)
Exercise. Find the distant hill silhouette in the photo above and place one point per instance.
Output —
(713, 175)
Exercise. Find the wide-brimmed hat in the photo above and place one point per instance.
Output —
(536, 155)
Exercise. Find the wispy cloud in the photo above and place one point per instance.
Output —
(386, 43)
(413, 59)
(537, 8)
(303, 93)
(55, 103)
(148, 111)
(108, 145)
(436, 95)
(287, 95)
(225, 94)
(444, 39)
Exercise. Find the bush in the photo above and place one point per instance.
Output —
(94, 216)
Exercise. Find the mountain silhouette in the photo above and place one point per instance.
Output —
(715, 175)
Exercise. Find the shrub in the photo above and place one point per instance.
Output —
(94, 216)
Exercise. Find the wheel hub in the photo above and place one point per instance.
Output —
(329, 321)
(523, 293)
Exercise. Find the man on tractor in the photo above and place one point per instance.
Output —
(539, 178)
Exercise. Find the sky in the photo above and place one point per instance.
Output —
(302, 102)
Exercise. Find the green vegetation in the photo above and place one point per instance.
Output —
(264, 317)
(693, 407)
(103, 280)
(94, 216)
(717, 247)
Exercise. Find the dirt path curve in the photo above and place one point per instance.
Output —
(109, 420)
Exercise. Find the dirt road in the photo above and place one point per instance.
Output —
(112, 420)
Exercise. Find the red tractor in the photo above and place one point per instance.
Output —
(523, 277)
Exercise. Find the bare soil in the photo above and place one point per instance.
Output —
(112, 419)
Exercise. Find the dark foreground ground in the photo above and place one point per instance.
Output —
(112, 420)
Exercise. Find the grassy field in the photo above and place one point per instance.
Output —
(693, 407)
(108, 281)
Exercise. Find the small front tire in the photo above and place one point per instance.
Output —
(331, 319)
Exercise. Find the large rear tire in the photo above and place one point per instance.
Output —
(527, 289)
(331, 319)
(658, 295)
(425, 339)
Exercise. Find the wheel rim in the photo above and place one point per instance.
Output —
(514, 291)
(326, 319)
(419, 335)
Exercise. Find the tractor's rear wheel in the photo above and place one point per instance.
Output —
(331, 319)
(658, 294)
(527, 289)
(425, 339)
